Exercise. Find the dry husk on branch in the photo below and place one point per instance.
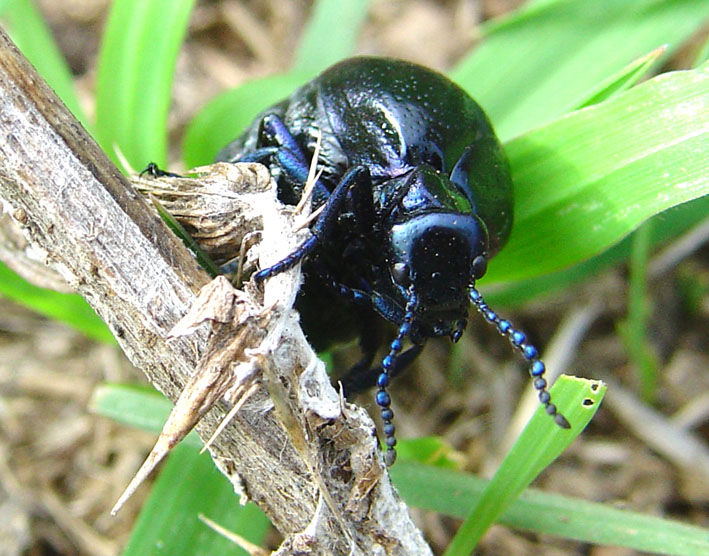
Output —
(271, 371)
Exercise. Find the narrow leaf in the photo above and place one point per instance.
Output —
(454, 493)
(227, 115)
(622, 80)
(33, 37)
(169, 521)
(540, 443)
(202, 258)
(69, 308)
(541, 62)
(135, 406)
(585, 181)
(319, 46)
(134, 81)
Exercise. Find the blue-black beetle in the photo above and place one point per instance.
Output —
(417, 198)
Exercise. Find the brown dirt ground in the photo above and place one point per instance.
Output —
(61, 468)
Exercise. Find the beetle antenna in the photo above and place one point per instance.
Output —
(518, 339)
(388, 365)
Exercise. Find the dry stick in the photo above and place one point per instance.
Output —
(76, 207)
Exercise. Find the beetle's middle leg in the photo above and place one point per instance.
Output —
(353, 178)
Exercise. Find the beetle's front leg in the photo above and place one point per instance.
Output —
(353, 178)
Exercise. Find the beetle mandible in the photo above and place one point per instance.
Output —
(417, 197)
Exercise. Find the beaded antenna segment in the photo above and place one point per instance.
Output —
(388, 366)
(518, 339)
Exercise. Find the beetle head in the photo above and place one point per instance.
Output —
(437, 248)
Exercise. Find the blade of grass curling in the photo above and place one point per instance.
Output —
(188, 486)
(540, 443)
(135, 70)
(588, 179)
(454, 493)
(622, 80)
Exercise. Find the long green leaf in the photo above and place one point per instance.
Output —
(169, 521)
(69, 308)
(228, 114)
(540, 443)
(454, 493)
(585, 181)
(135, 71)
(135, 406)
(540, 62)
(670, 224)
(319, 46)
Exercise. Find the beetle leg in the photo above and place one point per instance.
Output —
(354, 177)
(286, 154)
(358, 379)
(276, 132)
(259, 155)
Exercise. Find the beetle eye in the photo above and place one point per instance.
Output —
(479, 267)
(400, 272)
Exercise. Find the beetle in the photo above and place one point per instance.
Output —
(416, 198)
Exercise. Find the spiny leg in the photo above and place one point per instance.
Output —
(519, 341)
(354, 177)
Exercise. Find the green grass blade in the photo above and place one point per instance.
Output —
(702, 54)
(585, 181)
(428, 450)
(668, 225)
(540, 443)
(69, 308)
(454, 493)
(541, 62)
(169, 521)
(227, 115)
(135, 71)
(634, 329)
(319, 46)
(33, 37)
(622, 80)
